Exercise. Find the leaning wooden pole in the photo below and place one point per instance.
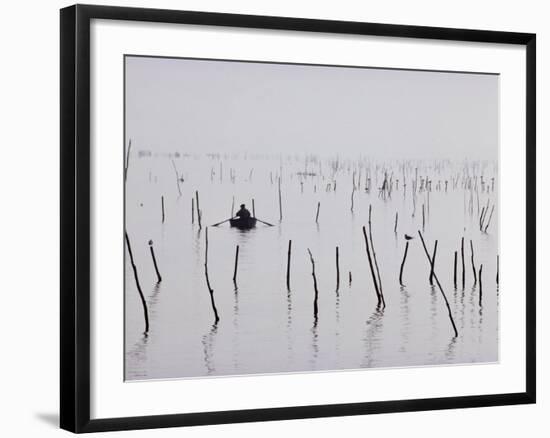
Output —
(373, 273)
(210, 290)
(159, 278)
(127, 160)
(317, 214)
(489, 221)
(432, 264)
(236, 264)
(134, 268)
(473, 264)
(375, 260)
(403, 263)
(439, 286)
(197, 205)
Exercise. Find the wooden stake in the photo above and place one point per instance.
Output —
(317, 215)
(489, 221)
(177, 177)
(484, 215)
(288, 264)
(395, 226)
(162, 207)
(373, 274)
(315, 305)
(236, 264)
(375, 259)
(439, 286)
(159, 278)
(337, 269)
(210, 290)
(198, 209)
(480, 285)
(134, 268)
(127, 160)
(433, 264)
(253, 209)
(463, 264)
(473, 264)
(403, 263)
(481, 217)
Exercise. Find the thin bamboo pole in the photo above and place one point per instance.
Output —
(315, 303)
(288, 264)
(375, 260)
(373, 273)
(439, 286)
(210, 290)
(432, 264)
(236, 264)
(463, 264)
(403, 263)
(159, 278)
(317, 214)
(473, 264)
(337, 269)
(136, 278)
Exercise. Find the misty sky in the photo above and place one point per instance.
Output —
(218, 106)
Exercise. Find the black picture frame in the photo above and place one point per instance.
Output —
(75, 217)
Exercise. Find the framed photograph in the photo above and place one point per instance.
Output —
(268, 218)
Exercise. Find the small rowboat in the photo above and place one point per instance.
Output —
(243, 223)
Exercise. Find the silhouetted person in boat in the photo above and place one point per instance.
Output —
(243, 213)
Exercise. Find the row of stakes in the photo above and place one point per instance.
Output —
(372, 261)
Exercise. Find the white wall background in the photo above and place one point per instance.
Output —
(29, 244)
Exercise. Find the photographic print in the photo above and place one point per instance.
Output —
(286, 218)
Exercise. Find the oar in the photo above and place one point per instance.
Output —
(222, 222)
(264, 222)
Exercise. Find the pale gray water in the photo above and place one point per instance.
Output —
(264, 328)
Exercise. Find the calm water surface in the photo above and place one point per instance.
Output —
(265, 328)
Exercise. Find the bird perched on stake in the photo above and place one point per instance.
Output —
(407, 237)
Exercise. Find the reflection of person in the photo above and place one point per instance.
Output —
(243, 213)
